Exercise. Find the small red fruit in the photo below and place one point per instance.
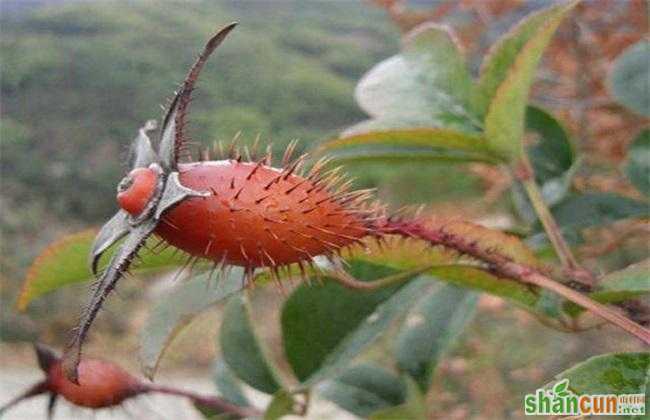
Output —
(136, 189)
(101, 384)
(104, 384)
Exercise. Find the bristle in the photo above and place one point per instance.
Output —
(288, 152)
(290, 190)
(255, 169)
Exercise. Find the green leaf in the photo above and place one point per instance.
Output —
(432, 143)
(65, 262)
(504, 121)
(281, 405)
(551, 154)
(337, 344)
(613, 373)
(228, 385)
(638, 162)
(502, 56)
(427, 82)
(478, 279)
(364, 389)
(229, 389)
(413, 256)
(631, 282)
(596, 209)
(413, 409)
(629, 80)
(433, 326)
(552, 157)
(176, 309)
(242, 350)
(209, 413)
(316, 319)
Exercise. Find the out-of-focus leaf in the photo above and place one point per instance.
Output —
(631, 282)
(630, 78)
(552, 157)
(385, 124)
(176, 309)
(481, 280)
(434, 143)
(434, 324)
(229, 389)
(65, 262)
(489, 240)
(552, 153)
(427, 82)
(241, 349)
(414, 254)
(281, 405)
(505, 118)
(596, 209)
(503, 54)
(364, 389)
(210, 413)
(413, 409)
(613, 373)
(315, 319)
(325, 327)
(638, 162)
(228, 385)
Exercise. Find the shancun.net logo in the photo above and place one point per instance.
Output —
(560, 400)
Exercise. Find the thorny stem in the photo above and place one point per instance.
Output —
(505, 267)
(36, 389)
(525, 175)
(212, 402)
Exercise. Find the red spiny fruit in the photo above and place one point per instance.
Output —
(255, 215)
(103, 384)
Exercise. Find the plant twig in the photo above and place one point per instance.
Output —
(526, 176)
(504, 266)
(212, 402)
(36, 389)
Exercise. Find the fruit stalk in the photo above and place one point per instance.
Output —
(504, 266)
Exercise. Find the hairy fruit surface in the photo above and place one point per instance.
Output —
(257, 215)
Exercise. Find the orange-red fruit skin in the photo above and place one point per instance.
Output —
(101, 384)
(136, 197)
(256, 216)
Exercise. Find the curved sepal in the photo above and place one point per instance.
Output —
(171, 138)
(116, 268)
(114, 230)
(45, 356)
(174, 193)
(142, 152)
(167, 147)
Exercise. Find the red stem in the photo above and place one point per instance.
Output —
(505, 267)
(36, 389)
(213, 402)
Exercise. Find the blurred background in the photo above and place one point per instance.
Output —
(78, 78)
